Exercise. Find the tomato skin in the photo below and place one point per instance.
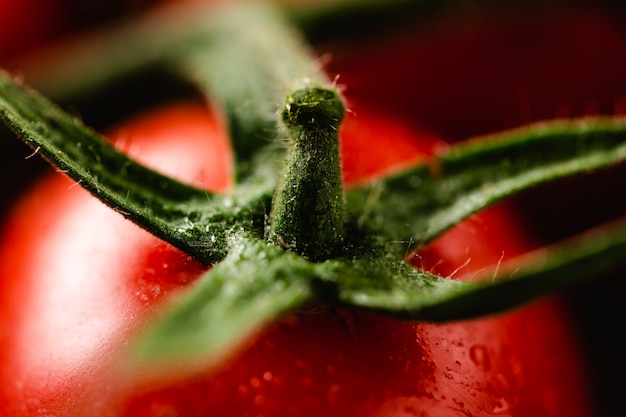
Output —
(326, 364)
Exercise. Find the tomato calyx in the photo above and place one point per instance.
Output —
(321, 243)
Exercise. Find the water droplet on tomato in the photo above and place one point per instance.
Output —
(480, 356)
(502, 406)
(259, 399)
(242, 389)
(255, 382)
(333, 393)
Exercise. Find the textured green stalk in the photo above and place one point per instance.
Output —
(308, 208)
(419, 204)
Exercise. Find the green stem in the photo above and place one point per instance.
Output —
(308, 211)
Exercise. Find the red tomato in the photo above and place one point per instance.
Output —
(76, 276)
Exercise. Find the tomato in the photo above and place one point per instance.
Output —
(75, 278)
